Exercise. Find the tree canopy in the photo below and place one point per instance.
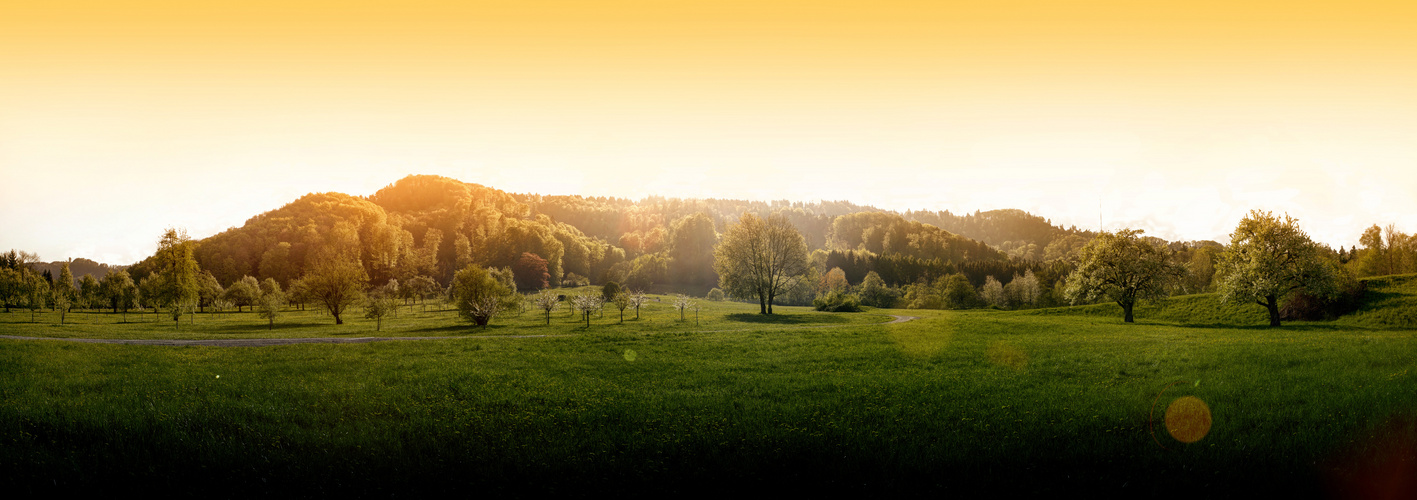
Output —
(760, 258)
(1270, 257)
(479, 295)
(1123, 267)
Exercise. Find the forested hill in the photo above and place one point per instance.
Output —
(432, 226)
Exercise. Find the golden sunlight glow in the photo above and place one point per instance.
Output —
(1174, 117)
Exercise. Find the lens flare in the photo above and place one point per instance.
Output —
(1188, 419)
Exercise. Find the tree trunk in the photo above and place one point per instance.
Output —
(1126, 311)
(1272, 303)
(771, 296)
(762, 303)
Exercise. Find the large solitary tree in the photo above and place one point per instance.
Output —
(760, 258)
(1122, 267)
(1269, 258)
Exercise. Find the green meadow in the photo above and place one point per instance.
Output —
(973, 401)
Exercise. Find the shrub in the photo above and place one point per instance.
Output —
(609, 291)
(715, 295)
(837, 302)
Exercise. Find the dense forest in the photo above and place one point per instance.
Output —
(425, 228)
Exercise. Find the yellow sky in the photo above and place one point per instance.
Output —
(120, 118)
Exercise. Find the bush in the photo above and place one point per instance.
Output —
(837, 302)
(1303, 306)
(574, 280)
(715, 295)
(609, 291)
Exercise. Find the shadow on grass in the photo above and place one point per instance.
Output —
(785, 319)
(467, 329)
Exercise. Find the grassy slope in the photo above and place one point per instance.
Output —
(1390, 303)
(953, 402)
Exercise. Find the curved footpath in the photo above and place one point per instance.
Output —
(355, 340)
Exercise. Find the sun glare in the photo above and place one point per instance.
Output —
(1188, 419)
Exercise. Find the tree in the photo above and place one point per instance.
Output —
(546, 300)
(392, 291)
(609, 290)
(638, 299)
(875, 293)
(270, 302)
(691, 241)
(64, 291)
(479, 295)
(89, 294)
(336, 284)
(760, 258)
(36, 291)
(208, 289)
(244, 292)
(587, 303)
(621, 300)
(1122, 267)
(715, 295)
(377, 305)
(176, 270)
(122, 293)
(1201, 269)
(530, 271)
(420, 287)
(682, 302)
(1269, 258)
(1024, 289)
(956, 292)
(993, 293)
(298, 293)
(11, 286)
(834, 281)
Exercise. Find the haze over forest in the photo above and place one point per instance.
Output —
(119, 120)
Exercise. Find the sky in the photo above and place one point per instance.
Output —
(120, 119)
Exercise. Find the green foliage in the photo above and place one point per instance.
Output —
(176, 271)
(270, 303)
(1122, 267)
(875, 293)
(377, 305)
(610, 290)
(690, 252)
(335, 284)
(886, 234)
(647, 270)
(1270, 258)
(993, 293)
(715, 295)
(837, 301)
(479, 295)
(761, 258)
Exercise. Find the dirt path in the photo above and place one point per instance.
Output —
(354, 340)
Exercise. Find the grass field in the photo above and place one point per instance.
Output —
(955, 402)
